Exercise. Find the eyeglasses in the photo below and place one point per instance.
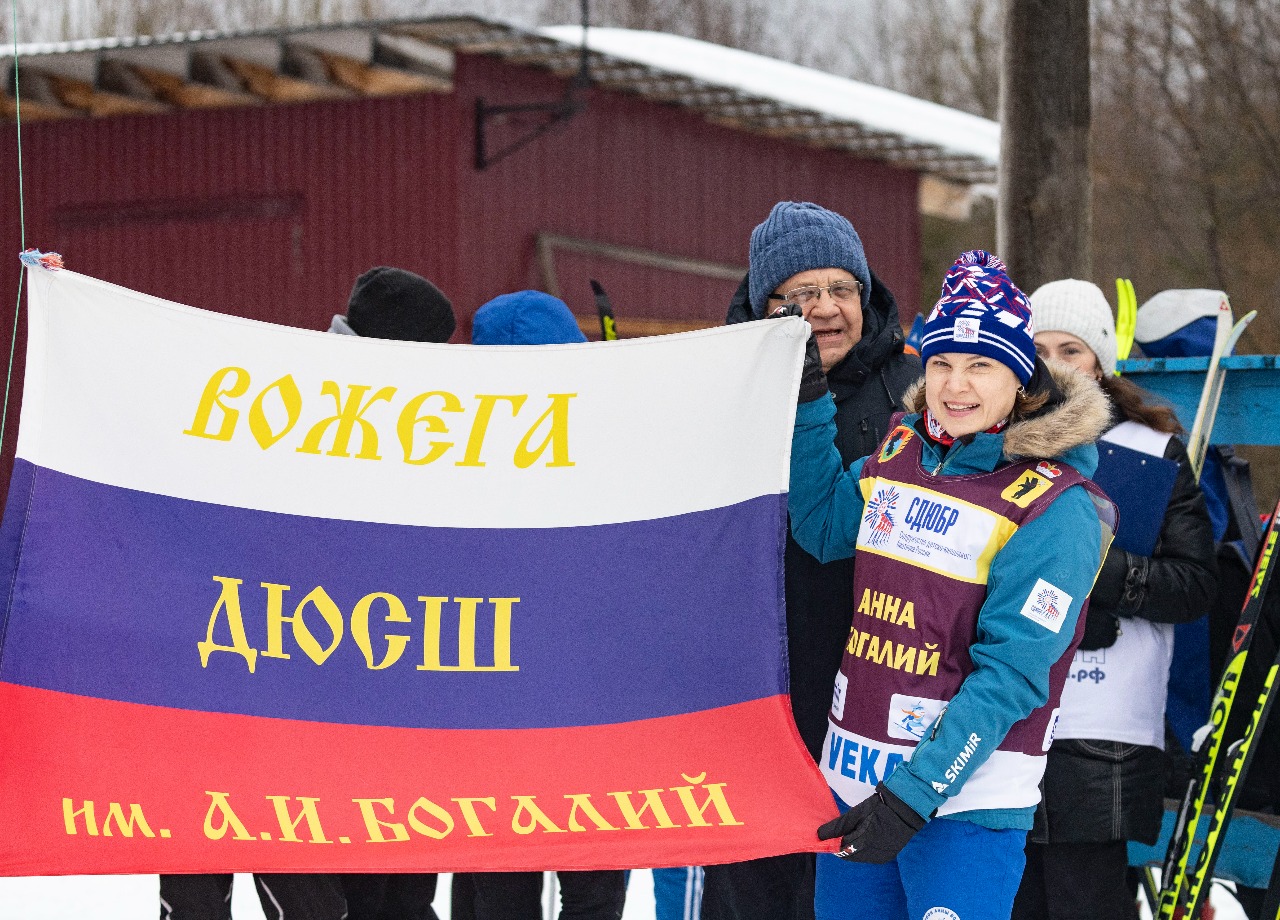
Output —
(842, 292)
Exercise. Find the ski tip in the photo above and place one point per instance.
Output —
(596, 287)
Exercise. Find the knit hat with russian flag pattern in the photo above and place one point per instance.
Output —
(982, 312)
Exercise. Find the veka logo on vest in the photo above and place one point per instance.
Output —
(860, 760)
(1051, 729)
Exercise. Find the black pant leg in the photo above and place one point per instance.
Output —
(195, 897)
(300, 896)
(1079, 881)
(773, 888)
(597, 895)
(462, 897)
(508, 895)
(409, 896)
(1031, 902)
(365, 893)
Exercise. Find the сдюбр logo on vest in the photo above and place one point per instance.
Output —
(923, 527)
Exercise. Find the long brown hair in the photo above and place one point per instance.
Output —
(1131, 400)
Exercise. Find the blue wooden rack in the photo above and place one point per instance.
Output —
(1249, 412)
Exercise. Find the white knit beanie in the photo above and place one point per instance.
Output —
(1080, 309)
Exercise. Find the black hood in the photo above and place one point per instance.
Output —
(881, 334)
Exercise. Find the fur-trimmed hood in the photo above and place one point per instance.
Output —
(1080, 418)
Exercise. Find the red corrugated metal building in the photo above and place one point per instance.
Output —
(260, 174)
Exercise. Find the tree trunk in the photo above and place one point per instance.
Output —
(1044, 212)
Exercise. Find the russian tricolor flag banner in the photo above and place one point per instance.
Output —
(279, 600)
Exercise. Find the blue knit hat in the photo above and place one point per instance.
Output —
(796, 237)
(525, 318)
(982, 312)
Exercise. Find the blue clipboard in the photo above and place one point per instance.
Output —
(1140, 486)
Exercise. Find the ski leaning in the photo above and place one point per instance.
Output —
(1224, 343)
(1184, 887)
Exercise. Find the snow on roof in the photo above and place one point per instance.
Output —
(958, 133)
(746, 91)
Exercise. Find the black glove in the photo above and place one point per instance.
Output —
(813, 381)
(875, 830)
(1101, 629)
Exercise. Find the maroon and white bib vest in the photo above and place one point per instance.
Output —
(924, 552)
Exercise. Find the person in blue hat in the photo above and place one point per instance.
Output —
(976, 535)
(534, 318)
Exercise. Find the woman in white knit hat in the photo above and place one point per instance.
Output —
(1104, 784)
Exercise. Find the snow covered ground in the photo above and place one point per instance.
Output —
(136, 897)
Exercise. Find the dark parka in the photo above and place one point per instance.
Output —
(1099, 790)
(868, 386)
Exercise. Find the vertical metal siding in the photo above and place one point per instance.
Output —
(633, 172)
(267, 212)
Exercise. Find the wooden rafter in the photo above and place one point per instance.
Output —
(35, 111)
(82, 95)
(276, 87)
(185, 94)
(374, 80)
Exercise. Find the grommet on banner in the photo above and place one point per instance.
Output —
(34, 258)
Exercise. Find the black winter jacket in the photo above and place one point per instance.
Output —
(1100, 790)
(868, 386)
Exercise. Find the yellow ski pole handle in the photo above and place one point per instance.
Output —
(1126, 317)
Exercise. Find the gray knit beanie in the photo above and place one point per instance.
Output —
(798, 236)
(1078, 308)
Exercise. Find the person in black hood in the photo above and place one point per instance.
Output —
(392, 303)
(812, 258)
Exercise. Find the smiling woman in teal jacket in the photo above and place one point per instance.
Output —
(977, 537)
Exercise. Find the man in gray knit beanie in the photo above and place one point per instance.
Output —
(811, 258)
(798, 236)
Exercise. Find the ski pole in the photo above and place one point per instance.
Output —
(608, 328)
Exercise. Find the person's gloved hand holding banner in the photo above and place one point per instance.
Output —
(280, 600)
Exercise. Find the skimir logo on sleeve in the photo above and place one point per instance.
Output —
(1047, 605)
(911, 716)
(926, 528)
